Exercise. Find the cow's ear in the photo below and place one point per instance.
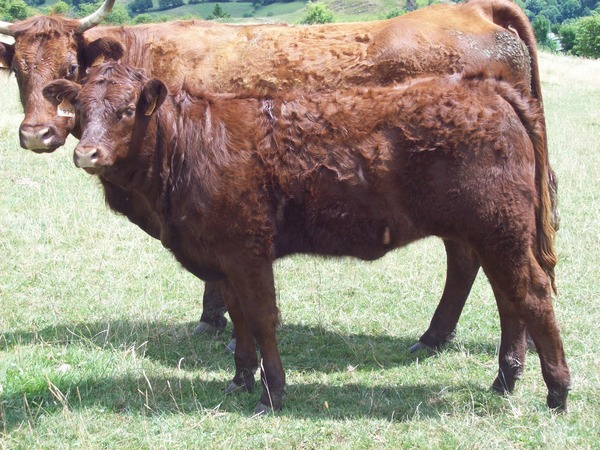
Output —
(7, 52)
(100, 50)
(153, 95)
(60, 91)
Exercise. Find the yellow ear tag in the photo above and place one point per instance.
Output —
(99, 60)
(66, 109)
(151, 107)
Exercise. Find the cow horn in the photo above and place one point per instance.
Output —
(5, 28)
(95, 18)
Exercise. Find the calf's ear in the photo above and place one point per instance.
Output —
(7, 51)
(153, 95)
(61, 90)
(100, 50)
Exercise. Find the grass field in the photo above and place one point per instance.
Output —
(96, 349)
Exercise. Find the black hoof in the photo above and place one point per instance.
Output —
(262, 410)
(420, 346)
(557, 400)
(499, 388)
(502, 385)
(231, 346)
(234, 388)
(431, 341)
(204, 328)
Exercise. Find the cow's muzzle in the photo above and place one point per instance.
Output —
(40, 138)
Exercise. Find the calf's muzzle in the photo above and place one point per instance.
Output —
(86, 156)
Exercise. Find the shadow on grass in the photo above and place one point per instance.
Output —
(303, 348)
(156, 396)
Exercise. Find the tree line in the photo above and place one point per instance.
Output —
(571, 26)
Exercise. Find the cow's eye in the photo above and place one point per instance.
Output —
(127, 112)
(72, 71)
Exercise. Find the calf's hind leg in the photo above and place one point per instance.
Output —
(213, 319)
(512, 345)
(524, 299)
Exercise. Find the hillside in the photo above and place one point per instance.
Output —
(289, 12)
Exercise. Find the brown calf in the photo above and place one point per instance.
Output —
(238, 181)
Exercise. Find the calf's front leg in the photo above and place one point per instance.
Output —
(250, 299)
(245, 358)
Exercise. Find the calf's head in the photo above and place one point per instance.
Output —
(114, 108)
(47, 48)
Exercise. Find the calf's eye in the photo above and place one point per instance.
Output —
(127, 112)
(72, 71)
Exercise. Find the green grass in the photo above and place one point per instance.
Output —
(96, 349)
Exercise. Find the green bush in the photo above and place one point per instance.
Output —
(541, 28)
(587, 37)
(390, 14)
(317, 12)
(567, 33)
(59, 7)
(143, 18)
(11, 10)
